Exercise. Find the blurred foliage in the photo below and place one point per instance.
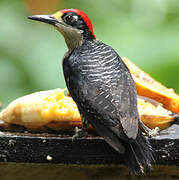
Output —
(147, 32)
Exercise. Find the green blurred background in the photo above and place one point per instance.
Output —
(147, 32)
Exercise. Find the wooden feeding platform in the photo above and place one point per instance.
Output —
(46, 155)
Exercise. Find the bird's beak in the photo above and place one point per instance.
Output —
(50, 19)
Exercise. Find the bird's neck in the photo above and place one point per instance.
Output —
(73, 38)
(73, 43)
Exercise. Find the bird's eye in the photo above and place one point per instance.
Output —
(70, 19)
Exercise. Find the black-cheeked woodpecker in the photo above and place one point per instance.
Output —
(102, 87)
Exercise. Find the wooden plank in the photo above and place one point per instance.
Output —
(19, 171)
(60, 149)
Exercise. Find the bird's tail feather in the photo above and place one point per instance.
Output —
(138, 155)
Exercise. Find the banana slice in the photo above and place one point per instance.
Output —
(154, 115)
(40, 109)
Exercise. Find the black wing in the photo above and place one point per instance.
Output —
(106, 93)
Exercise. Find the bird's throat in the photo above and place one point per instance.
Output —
(73, 42)
(73, 37)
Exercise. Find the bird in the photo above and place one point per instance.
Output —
(102, 87)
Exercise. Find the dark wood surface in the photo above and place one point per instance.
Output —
(60, 149)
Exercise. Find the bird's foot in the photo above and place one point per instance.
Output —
(149, 132)
(79, 133)
(152, 132)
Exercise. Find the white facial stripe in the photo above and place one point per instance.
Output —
(76, 17)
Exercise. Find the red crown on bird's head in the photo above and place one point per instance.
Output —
(83, 15)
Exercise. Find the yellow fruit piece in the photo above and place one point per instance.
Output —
(40, 109)
(53, 109)
(148, 87)
(153, 114)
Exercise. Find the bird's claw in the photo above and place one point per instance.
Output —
(79, 133)
(148, 131)
(152, 132)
